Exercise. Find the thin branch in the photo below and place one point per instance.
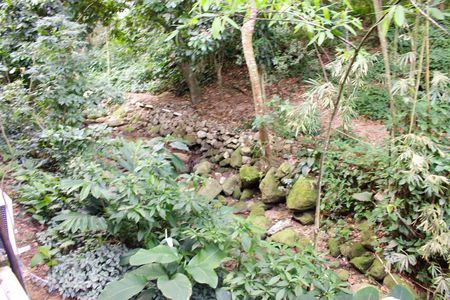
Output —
(333, 115)
(435, 23)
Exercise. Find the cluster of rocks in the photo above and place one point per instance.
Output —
(363, 257)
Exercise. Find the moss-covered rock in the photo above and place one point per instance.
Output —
(333, 247)
(352, 249)
(249, 175)
(190, 139)
(305, 218)
(257, 209)
(303, 195)
(246, 194)
(342, 274)
(271, 190)
(368, 236)
(240, 207)
(222, 199)
(202, 168)
(285, 169)
(392, 280)
(231, 184)
(362, 263)
(236, 158)
(237, 193)
(260, 221)
(291, 238)
(377, 270)
(210, 189)
(224, 162)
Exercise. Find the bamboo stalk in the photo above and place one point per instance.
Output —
(416, 90)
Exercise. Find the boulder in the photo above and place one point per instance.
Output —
(250, 176)
(363, 263)
(377, 270)
(333, 247)
(290, 238)
(231, 184)
(342, 274)
(260, 221)
(285, 169)
(257, 209)
(271, 190)
(237, 193)
(240, 207)
(352, 249)
(368, 237)
(305, 218)
(246, 194)
(236, 158)
(303, 195)
(210, 189)
(202, 168)
(392, 280)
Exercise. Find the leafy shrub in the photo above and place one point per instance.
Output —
(83, 275)
(372, 102)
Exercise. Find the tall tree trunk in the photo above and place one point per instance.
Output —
(247, 31)
(378, 7)
(195, 90)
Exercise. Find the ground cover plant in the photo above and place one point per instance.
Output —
(231, 149)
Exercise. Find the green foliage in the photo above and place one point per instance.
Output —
(44, 255)
(84, 274)
(372, 102)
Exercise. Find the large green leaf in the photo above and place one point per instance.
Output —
(123, 289)
(367, 293)
(202, 265)
(401, 293)
(149, 272)
(177, 288)
(160, 254)
(76, 221)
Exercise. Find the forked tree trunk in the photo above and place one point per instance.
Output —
(247, 31)
(378, 7)
(195, 90)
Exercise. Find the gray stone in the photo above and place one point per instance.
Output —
(210, 189)
(231, 184)
(201, 134)
(202, 168)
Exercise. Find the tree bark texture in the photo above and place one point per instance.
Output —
(247, 31)
(195, 90)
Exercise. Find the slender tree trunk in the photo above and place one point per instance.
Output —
(247, 31)
(218, 62)
(195, 90)
(378, 7)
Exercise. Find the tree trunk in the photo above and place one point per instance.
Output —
(378, 7)
(247, 31)
(195, 90)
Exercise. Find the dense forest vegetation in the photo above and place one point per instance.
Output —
(126, 140)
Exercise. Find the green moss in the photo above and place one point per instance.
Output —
(236, 158)
(270, 188)
(303, 195)
(363, 263)
(377, 270)
(342, 274)
(333, 246)
(352, 249)
(249, 175)
(246, 194)
(287, 237)
(257, 209)
(305, 218)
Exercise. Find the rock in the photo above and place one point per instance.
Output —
(237, 193)
(246, 160)
(210, 189)
(246, 194)
(236, 158)
(352, 249)
(270, 188)
(225, 162)
(222, 199)
(335, 264)
(116, 122)
(249, 176)
(257, 209)
(333, 247)
(239, 207)
(182, 156)
(342, 274)
(305, 218)
(377, 270)
(362, 263)
(392, 280)
(231, 184)
(368, 237)
(303, 195)
(190, 139)
(280, 225)
(246, 151)
(285, 169)
(202, 168)
(226, 155)
(260, 221)
(153, 130)
(290, 238)
(201, 134)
